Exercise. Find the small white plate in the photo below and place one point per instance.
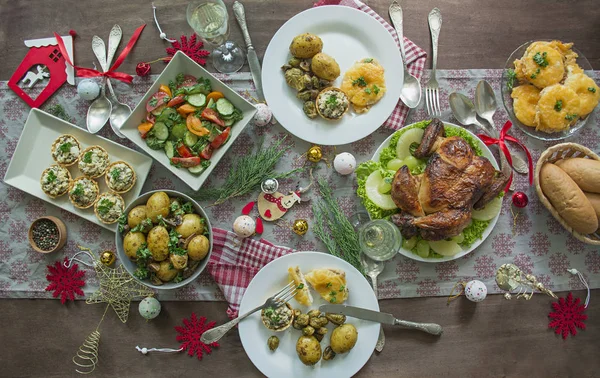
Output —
(487, 154)
(284, 362)
(182, 64)
(32, 156)
(348, 35)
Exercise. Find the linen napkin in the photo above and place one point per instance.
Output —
(234, 262)
(415, 57)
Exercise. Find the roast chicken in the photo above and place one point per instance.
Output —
(437, 204)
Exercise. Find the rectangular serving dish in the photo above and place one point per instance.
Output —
(182, 64)
(32, 156)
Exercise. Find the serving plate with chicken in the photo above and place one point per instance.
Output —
(439, 184)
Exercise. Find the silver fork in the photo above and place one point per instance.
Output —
(276, 301)
(432, 91)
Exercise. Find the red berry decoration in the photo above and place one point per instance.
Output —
(190, 336)
(142, 69)
(65, 282)
(520, 199)
(567, 315)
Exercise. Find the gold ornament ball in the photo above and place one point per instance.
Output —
(314, 154)
(108, 258)
(300, 226)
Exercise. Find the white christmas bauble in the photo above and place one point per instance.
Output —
(475, 291)
(88, 89)
(244, 226)
(149, 308)
(263, 115)
(344, 163)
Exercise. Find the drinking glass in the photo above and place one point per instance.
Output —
(210, 21)
(379, 239)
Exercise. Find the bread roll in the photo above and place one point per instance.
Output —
(568, 199)
(594, 199)
(585, 172)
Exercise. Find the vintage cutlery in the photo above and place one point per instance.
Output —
(99, 112)
(432, 92)
(381, 317)
(253, 62)
(372, 268)
(485, 106)
(120, 111)
(276, 301)
(411, 90)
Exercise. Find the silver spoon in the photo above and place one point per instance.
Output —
(120, 112)
(100, 110)
(411, 90)
(372, 268)
(485, 106)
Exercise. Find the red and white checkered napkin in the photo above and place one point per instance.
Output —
(234, 262)
(415, 57)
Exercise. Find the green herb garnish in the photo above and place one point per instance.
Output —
(78, 191)
(511, 76)
(301, 286)
(143, 253)
(558, 106)
(332, 100)
(534, 75)
(115, 174)
(332, 293)
(571, 117)
(141, 272)
(342, 288)
(179, 79)
(153, 101)
(540, 59)
(269, 312)
(122, 221)
(65, 147)
(174, 247)
(367, 60)
(105, 206)
(592, 89)
(328, 284)
(333, 299)
(367, 90)
(58, 111)
(143, 226)
(51, 176)
(360, 82)
(87, 157)
(376, 89)
(188, 208)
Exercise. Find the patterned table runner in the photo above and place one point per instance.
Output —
(537, 243)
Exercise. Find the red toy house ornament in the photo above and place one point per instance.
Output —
(42, 64)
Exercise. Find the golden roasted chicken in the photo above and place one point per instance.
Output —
(437, 204)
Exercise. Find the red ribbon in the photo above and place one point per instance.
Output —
(502, 144)
(111, 73)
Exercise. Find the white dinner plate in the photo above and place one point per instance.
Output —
(487, 154)
(284, 361)
(32, 156)
(348, 35)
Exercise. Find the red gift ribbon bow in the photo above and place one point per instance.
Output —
(111, 73)
(502, 144)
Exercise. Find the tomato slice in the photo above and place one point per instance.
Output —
(144, 128)
(214, 96)
(188, 81)
(165, 89)
(212, 116)
(176, 101)
(186, 162)
(207, 152)
(184, 151)
(157, 99)
(151, 118)
(220, 139)
(194, 125)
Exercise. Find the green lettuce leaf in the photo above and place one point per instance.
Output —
(474, 232)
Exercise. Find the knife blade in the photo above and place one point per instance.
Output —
(240, 16)
(381, 317)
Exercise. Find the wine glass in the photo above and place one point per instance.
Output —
(379, 239)
(210, 21)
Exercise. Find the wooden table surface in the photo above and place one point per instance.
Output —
(495, 338)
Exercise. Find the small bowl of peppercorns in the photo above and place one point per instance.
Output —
(47, 234)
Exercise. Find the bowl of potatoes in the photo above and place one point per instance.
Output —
(164, 239)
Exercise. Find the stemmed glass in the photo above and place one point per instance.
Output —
(210, 20)
(379, 239)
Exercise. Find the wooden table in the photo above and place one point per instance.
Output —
(492, 338)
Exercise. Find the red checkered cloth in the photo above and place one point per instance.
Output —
(415, 57)
(234, 262)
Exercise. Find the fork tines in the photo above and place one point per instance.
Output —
(285, 294)
(432, 100)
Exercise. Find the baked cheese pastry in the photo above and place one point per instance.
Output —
(329, 283)
(303, 296)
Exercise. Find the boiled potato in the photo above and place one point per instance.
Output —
(167, 271)
(306, 45)
(308, 349)
(191, 224)
(132, 242)
(179, 261)
(158, 204)
(136, 216)
(158, 243)
(343, 338)
(198, 247)
(325, 67)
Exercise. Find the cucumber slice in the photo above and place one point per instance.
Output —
(409, 137)
(445, 247)
(197, 169)
(211, 103)
(489, 211)
(197, 99)
(164, 116)
(169, 149)
(190, 139)
(384, 201)
(224, 107)
(179, 131)
(159, 110)
(160, 130)
(229, 122)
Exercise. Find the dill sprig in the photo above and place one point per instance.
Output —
(248, 173)
(58, 111)
(341, 240)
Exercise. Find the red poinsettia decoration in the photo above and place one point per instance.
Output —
(567, 316)
(191, 48)
(190, 335)
(65, 282)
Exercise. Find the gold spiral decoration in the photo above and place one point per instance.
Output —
(87, 355)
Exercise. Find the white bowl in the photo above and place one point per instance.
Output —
(131, 266)
(182, 64)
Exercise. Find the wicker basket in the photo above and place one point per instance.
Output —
(553, 154)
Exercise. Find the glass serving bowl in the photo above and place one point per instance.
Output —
(508, 101)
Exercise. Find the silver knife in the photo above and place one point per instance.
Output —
(381, 317)
(240, 16)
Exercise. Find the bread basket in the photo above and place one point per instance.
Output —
(551, 155)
